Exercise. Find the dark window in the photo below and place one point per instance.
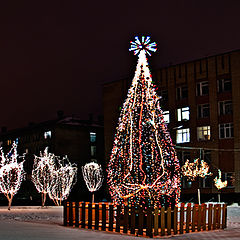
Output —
(182, 93)
(203, 111)
(164, 95)
(224, 85)
(202, 88)
(226, 130)
(225, 107)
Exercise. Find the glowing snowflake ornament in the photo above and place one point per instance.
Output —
(144, 44)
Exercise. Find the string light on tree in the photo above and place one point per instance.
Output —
(93, 177)
(194, 169)
(143, 167)
(218, 181)
(42, 173)
(11, 173)
(64, 176)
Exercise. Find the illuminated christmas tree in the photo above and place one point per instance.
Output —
(143, 167)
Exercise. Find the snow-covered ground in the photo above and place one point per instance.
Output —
(54, 215)
(23, 223)
(50, 215)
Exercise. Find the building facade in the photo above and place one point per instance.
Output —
(81, 140)
(200, 103)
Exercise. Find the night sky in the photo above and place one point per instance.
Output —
(56, 56)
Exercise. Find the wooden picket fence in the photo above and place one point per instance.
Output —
(153, 222)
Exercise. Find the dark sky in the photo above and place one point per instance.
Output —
(57, 56)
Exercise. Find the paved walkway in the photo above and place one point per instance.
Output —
(15, 230)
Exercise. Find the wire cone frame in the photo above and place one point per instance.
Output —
(143, 167)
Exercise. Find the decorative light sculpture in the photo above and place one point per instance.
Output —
(93, 177)
(64, 176)
(195, 169)
(42, 173)
(143, 167)
(11, 173)
(218, 181)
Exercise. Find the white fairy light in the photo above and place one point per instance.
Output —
(64, 176)
(93, 177)
(11, 173)
(194, 169)
(219, 184)
(42, 173)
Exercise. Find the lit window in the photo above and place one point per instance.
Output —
(166, 117)
(226, 130)
(17, 140)
(182, 93)
(1, 143)
(93, 151)
(202, 88)
(183, 135)
(9, 142)
(183, 114)
(225, 107)
(203, 133)
(92, 137)
(47, 134)
(203, 111)
(224, 85)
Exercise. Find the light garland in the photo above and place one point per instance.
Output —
(93, 177)
(143, 167)
(64, 176)
(43, 167)
(219, 184)
(194, 169)
(11, 173)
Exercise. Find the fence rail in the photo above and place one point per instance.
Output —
(137, 221)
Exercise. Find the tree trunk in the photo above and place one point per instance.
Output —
(93, 197)
(9, 201)
(44, 196)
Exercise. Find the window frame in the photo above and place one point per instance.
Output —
(202, 130)
(181, 112)
(222, 105)
(201, 87)
(200, 109)
(166, 116)
(185, 135)
(228, 129)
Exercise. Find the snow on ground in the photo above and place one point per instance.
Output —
(23, 223)
(51, 214)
